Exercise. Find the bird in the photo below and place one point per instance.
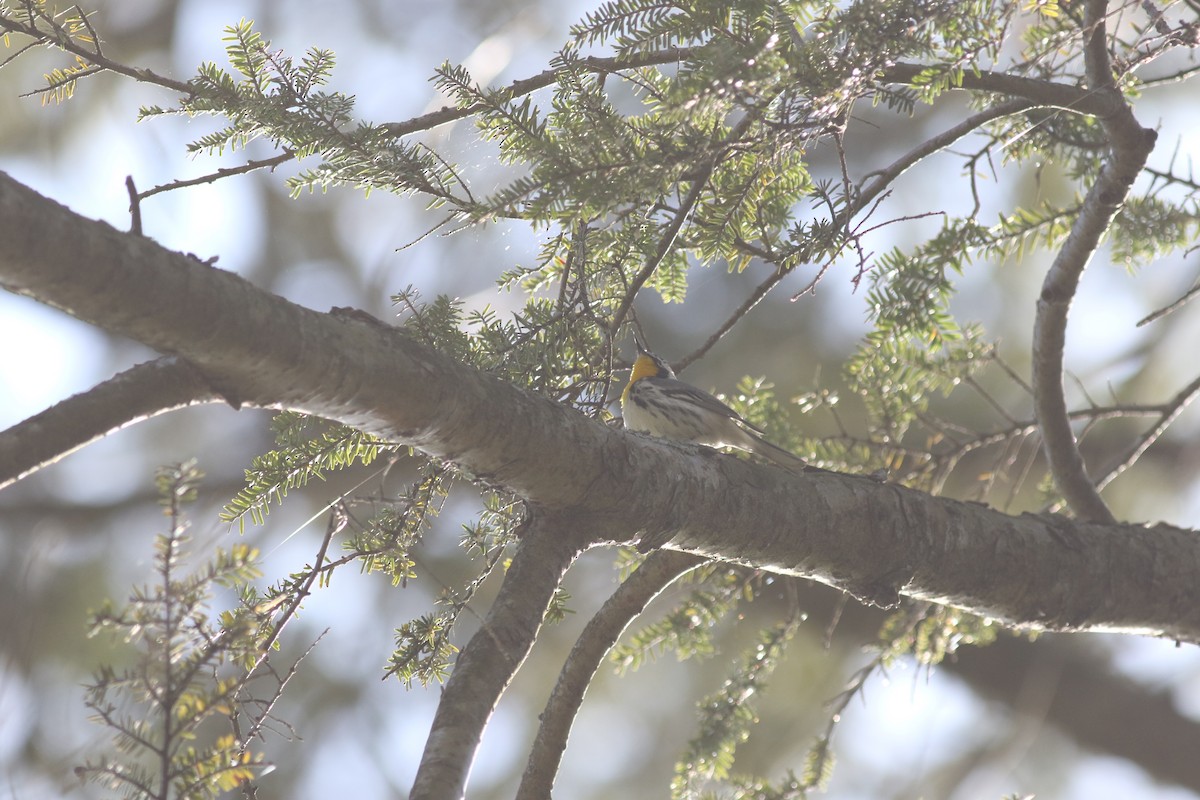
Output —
(656, 402)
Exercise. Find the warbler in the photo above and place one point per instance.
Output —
(656, 402)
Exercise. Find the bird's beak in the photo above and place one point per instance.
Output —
(641, 346)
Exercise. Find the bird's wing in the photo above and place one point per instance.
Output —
(672, 387)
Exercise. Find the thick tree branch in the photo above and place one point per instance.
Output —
(1131, 145)
(549, 545)
(136, 394)
(875, 540)
(657, 572)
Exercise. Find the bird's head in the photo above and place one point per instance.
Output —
(648, 365)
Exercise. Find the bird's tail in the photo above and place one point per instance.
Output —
(778, 455)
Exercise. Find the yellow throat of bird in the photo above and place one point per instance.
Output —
(643, 367)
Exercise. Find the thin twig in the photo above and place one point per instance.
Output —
(224, 172)
(62, 40)
(1175, 306)
(525, 86)
(1171, 410)
(671, 232)
(750, 302)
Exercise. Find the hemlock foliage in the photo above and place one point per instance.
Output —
(663, 137)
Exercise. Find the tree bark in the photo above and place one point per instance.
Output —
(875, 540)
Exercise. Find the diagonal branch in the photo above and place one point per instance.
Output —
(549, 544)
(224, 172)
(935, 144)
(657, 572)
(134, 395)
(542, 80)
(1170, 411)
(879, 181)
(59, 37)
(666, 241)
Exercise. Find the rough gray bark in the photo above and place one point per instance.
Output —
(875, 540)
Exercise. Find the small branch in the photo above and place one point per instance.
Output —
(1171, 410)
(1131, 146)
(60, 84)
(660, 569)
(20, 51)
(820, 756)
(750, 302)
(65, 42)
(1168, 178)
(140, 392)
(337, 523)
(224, 172)
(667, 240)
(935, 144)
(1175, 306)
(880, 180)
(1174, 77)
(1039, 92)
(532, 84)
